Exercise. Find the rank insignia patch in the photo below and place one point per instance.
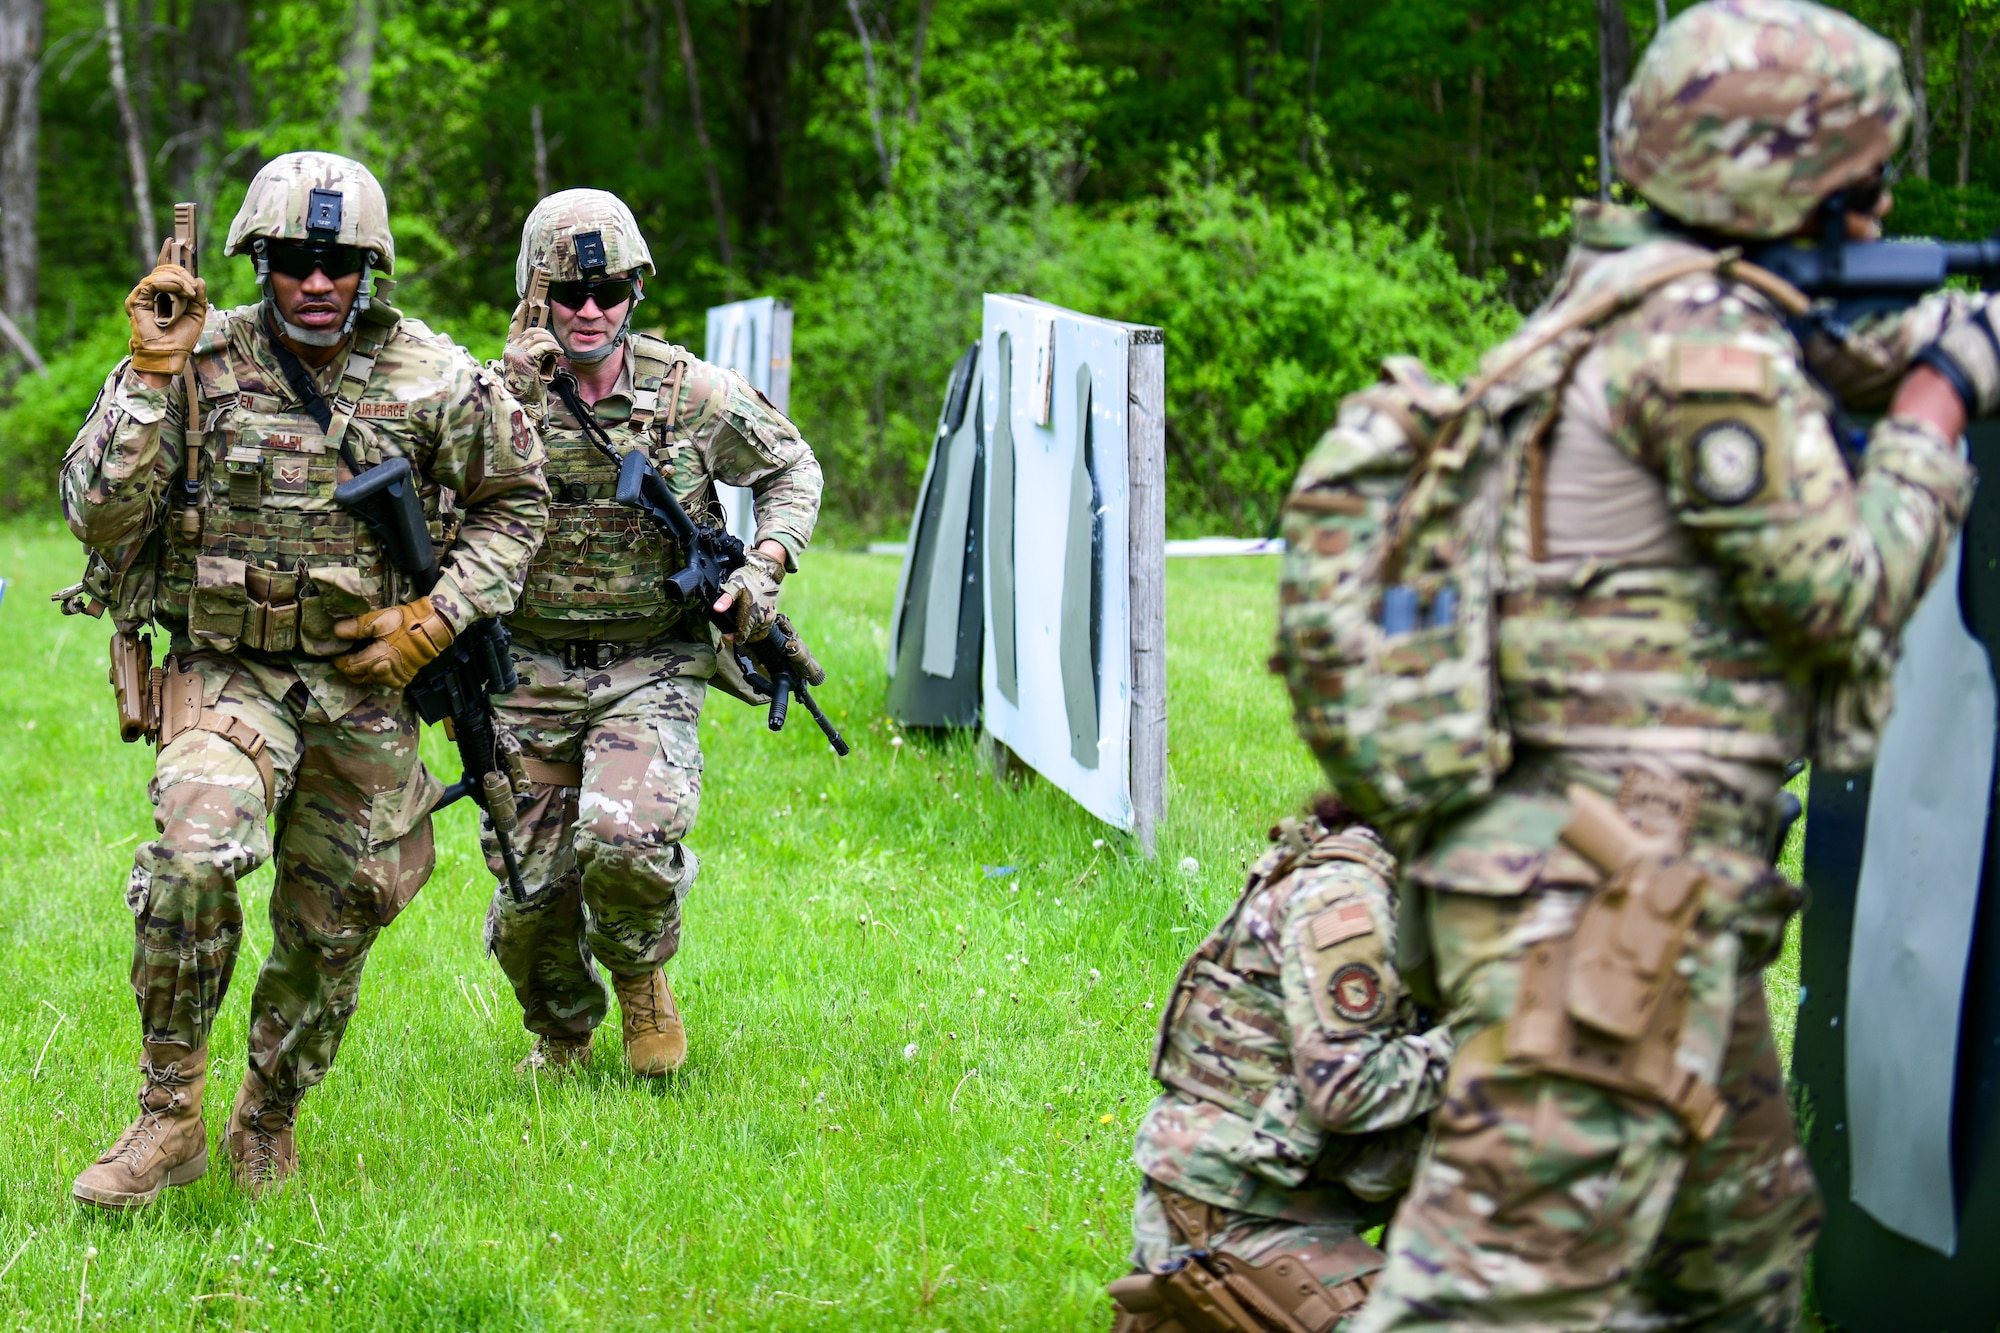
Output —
(1357, 993)
(1728, 462)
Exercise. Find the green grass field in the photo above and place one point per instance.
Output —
(911, 1083)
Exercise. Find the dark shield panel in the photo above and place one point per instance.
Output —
(935, 641)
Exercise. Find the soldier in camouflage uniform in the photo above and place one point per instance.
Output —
(1298, 1073)
(1698, 586)
(613, 673)
(202, 484)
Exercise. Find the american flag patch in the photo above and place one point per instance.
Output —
(1347, 921)
(1721, 368)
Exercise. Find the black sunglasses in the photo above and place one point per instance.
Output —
(298, 259)
(608, 292)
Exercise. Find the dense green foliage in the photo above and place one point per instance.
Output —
(1293, 187)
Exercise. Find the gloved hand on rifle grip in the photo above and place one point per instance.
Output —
(530, 358)
(402, 640)
(801, 656)
(752, 595)
(167, 310)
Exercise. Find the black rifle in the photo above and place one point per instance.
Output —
(458, 684)
(777, 664)
(1850, 279)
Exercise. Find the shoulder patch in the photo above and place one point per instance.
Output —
(1345, 921)
(1703, 367)
(1357, 993)
(1728, 458)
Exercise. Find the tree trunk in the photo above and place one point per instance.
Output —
(1659, 14)
(21, 27)
(1920, 89)
(917, 59)
(1614, 61)
(541, 151)
(211, 95)
(650, 112)
(769, 33)
(874, 96)
(701, 136)
(357, 68)
(1308, 136)
(145, 240)
(1968, 91)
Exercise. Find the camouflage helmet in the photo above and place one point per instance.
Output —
(315, 197)
(551, 234)
(1746, 114)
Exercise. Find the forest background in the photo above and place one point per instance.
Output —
(1293, 188)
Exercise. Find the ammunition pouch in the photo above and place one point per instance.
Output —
(181, 711)
(1606, 1003)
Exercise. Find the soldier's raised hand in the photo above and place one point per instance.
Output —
(402, 639)
(167, 310)
(531, 358)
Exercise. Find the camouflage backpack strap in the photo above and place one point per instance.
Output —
(653, 364)
(372, 332)
(1273, 865)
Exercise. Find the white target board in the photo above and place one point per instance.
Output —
(1073, 678)
(755, 338)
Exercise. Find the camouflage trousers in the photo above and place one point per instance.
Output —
(603, 864)
(1546, 1203)
(353, 847)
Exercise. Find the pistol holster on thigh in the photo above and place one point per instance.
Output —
(181, 711)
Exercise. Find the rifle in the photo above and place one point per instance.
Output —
(1850, 279)
(182, 249)
(459, 684)
(779, 664)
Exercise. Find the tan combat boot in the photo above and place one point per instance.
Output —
(166, 1145)
(263, 1154)
(557, 1055)
(655, 1041)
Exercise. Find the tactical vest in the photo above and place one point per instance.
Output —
(1600, 654)
(268, 562)
(601, 563)
(1424, 634)
(1224, 1037)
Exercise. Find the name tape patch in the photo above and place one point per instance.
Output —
(375, 410)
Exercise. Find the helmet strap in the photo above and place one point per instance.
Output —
(596, 355)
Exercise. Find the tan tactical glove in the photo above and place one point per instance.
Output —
(755, 589)
(167, 310)
(404, 639)
(528, 363)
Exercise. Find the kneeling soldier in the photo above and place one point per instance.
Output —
(613, 671)
(1297, 1078)
(203, 484)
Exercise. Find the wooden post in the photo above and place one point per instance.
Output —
(1146, 476)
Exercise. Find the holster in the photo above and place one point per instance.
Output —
(1605, 1004)
(181, 711)
(135, 683)
(1212, 1292)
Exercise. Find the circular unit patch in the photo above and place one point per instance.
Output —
(1728, 463)
(1357, 993)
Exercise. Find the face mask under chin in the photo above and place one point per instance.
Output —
(597, 354)
(311, 337)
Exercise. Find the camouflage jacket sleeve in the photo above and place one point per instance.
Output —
(491, 457)
(1707, 388)
(1864, 367)
(744, 441)
(1360, 1065)
(115, 473)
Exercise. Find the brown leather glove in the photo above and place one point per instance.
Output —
(528, 363)
(167, 310)
(404, 638)
(755, 587)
